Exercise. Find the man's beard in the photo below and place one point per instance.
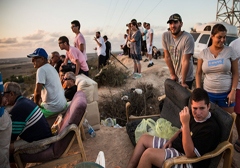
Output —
(177, 31)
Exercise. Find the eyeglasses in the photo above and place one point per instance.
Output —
(67, 78)
(60, 43)
(73, 27)
(7, 92)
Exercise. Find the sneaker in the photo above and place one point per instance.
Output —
(134, 75)
(149, 65)
(137, 76)
(146, 60)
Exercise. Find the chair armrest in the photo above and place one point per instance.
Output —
(47, 141)
(129, 118)
(183, 159)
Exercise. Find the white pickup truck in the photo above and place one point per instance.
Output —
(202, 33)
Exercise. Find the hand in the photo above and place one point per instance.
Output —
(231, 97)
(184, 85)
(185, 116)
(4, 102)
(95, 38)
(174, 77)
(167, 145)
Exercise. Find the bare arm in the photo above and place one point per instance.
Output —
(235, 78)
(187, 142)
(37, 93)
(151, 38)
(78, 66)
(185, 68)
(169, 63)
(81, 47)
(199, 73)
(99, 44)
(169, 143)
(65, 61)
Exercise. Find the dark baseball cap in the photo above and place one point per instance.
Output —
(174, 17)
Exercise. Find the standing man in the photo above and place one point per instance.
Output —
(49, 93)
(149, 41)
(124, 46)
(141, 30)
(74, 55)
(101, 48)
(79, 41)
(57, 62)
(178, 47)
(144, 44)
(108, 48)
(236, 46)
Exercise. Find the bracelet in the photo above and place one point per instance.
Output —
(234, 89)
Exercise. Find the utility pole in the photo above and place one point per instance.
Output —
(229, 12)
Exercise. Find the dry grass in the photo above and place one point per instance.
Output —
(141, 104)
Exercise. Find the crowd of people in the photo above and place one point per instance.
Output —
(55, 85)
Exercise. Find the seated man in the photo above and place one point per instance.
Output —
(57, 62)
(28, 122)
(71, 88)
(74, 55)
(48, 85)
(199, 134)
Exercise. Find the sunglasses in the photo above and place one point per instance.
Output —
(7, 92)
(67, 78)
(73, 27)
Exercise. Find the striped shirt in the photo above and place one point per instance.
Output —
(28, 122)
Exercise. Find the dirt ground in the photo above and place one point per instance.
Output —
(114, 142)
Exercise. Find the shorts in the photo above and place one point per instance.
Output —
(218, 98)
(136, 57)
(149, 49)
(169, 152)
(237, 102)
(48, 113)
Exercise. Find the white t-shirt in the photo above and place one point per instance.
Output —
(148, 36)
(236, 47)
(79, 39)
(52, 93)
(101, 50)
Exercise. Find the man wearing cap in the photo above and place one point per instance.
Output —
(79, 41)
(178, 47)
(74, 55)
(48, 94)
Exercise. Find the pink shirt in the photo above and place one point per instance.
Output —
(79, 39)
(75, 54)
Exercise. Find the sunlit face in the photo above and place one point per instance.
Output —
(61, 45)
(219, 39)
(200, 110)
(54, 58)
(175, 27)
(97, 35)
(67, 81)
(74, 28)
(37, 61)
(61, 75)
(134, 28)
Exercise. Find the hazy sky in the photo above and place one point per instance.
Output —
(29, 24)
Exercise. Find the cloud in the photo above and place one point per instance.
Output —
(37, 35)
(56, 34)
(8, 40)
(87, 32)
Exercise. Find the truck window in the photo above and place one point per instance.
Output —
(229, 39)
(204, 38)
(195, 36)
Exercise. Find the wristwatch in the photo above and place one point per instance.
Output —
(234, 89)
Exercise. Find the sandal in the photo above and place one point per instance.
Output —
(238, 144)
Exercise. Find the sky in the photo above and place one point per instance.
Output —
(29, 24)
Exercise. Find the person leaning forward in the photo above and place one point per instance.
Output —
(49, 93)
(178, 47)
(199, 134)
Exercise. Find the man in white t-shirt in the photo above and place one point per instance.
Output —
(49, 93)
(149, 41)
(101, 47)
(74, 55)
(79, 41)
(236, 46)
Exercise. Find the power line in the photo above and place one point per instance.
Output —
(113, 11)
(153, 9)
(137, 9)
(107, 15)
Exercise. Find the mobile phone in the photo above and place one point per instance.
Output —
(226, 100)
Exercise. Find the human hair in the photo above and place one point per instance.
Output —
(98, 32)
(218, 28)
(12, 87)
(76, 23)
(64, 39)
(199, 94)
(105, 37)
(63, 56)
(133, 20)
(55, 53)
(135, 24)
(71, 75)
